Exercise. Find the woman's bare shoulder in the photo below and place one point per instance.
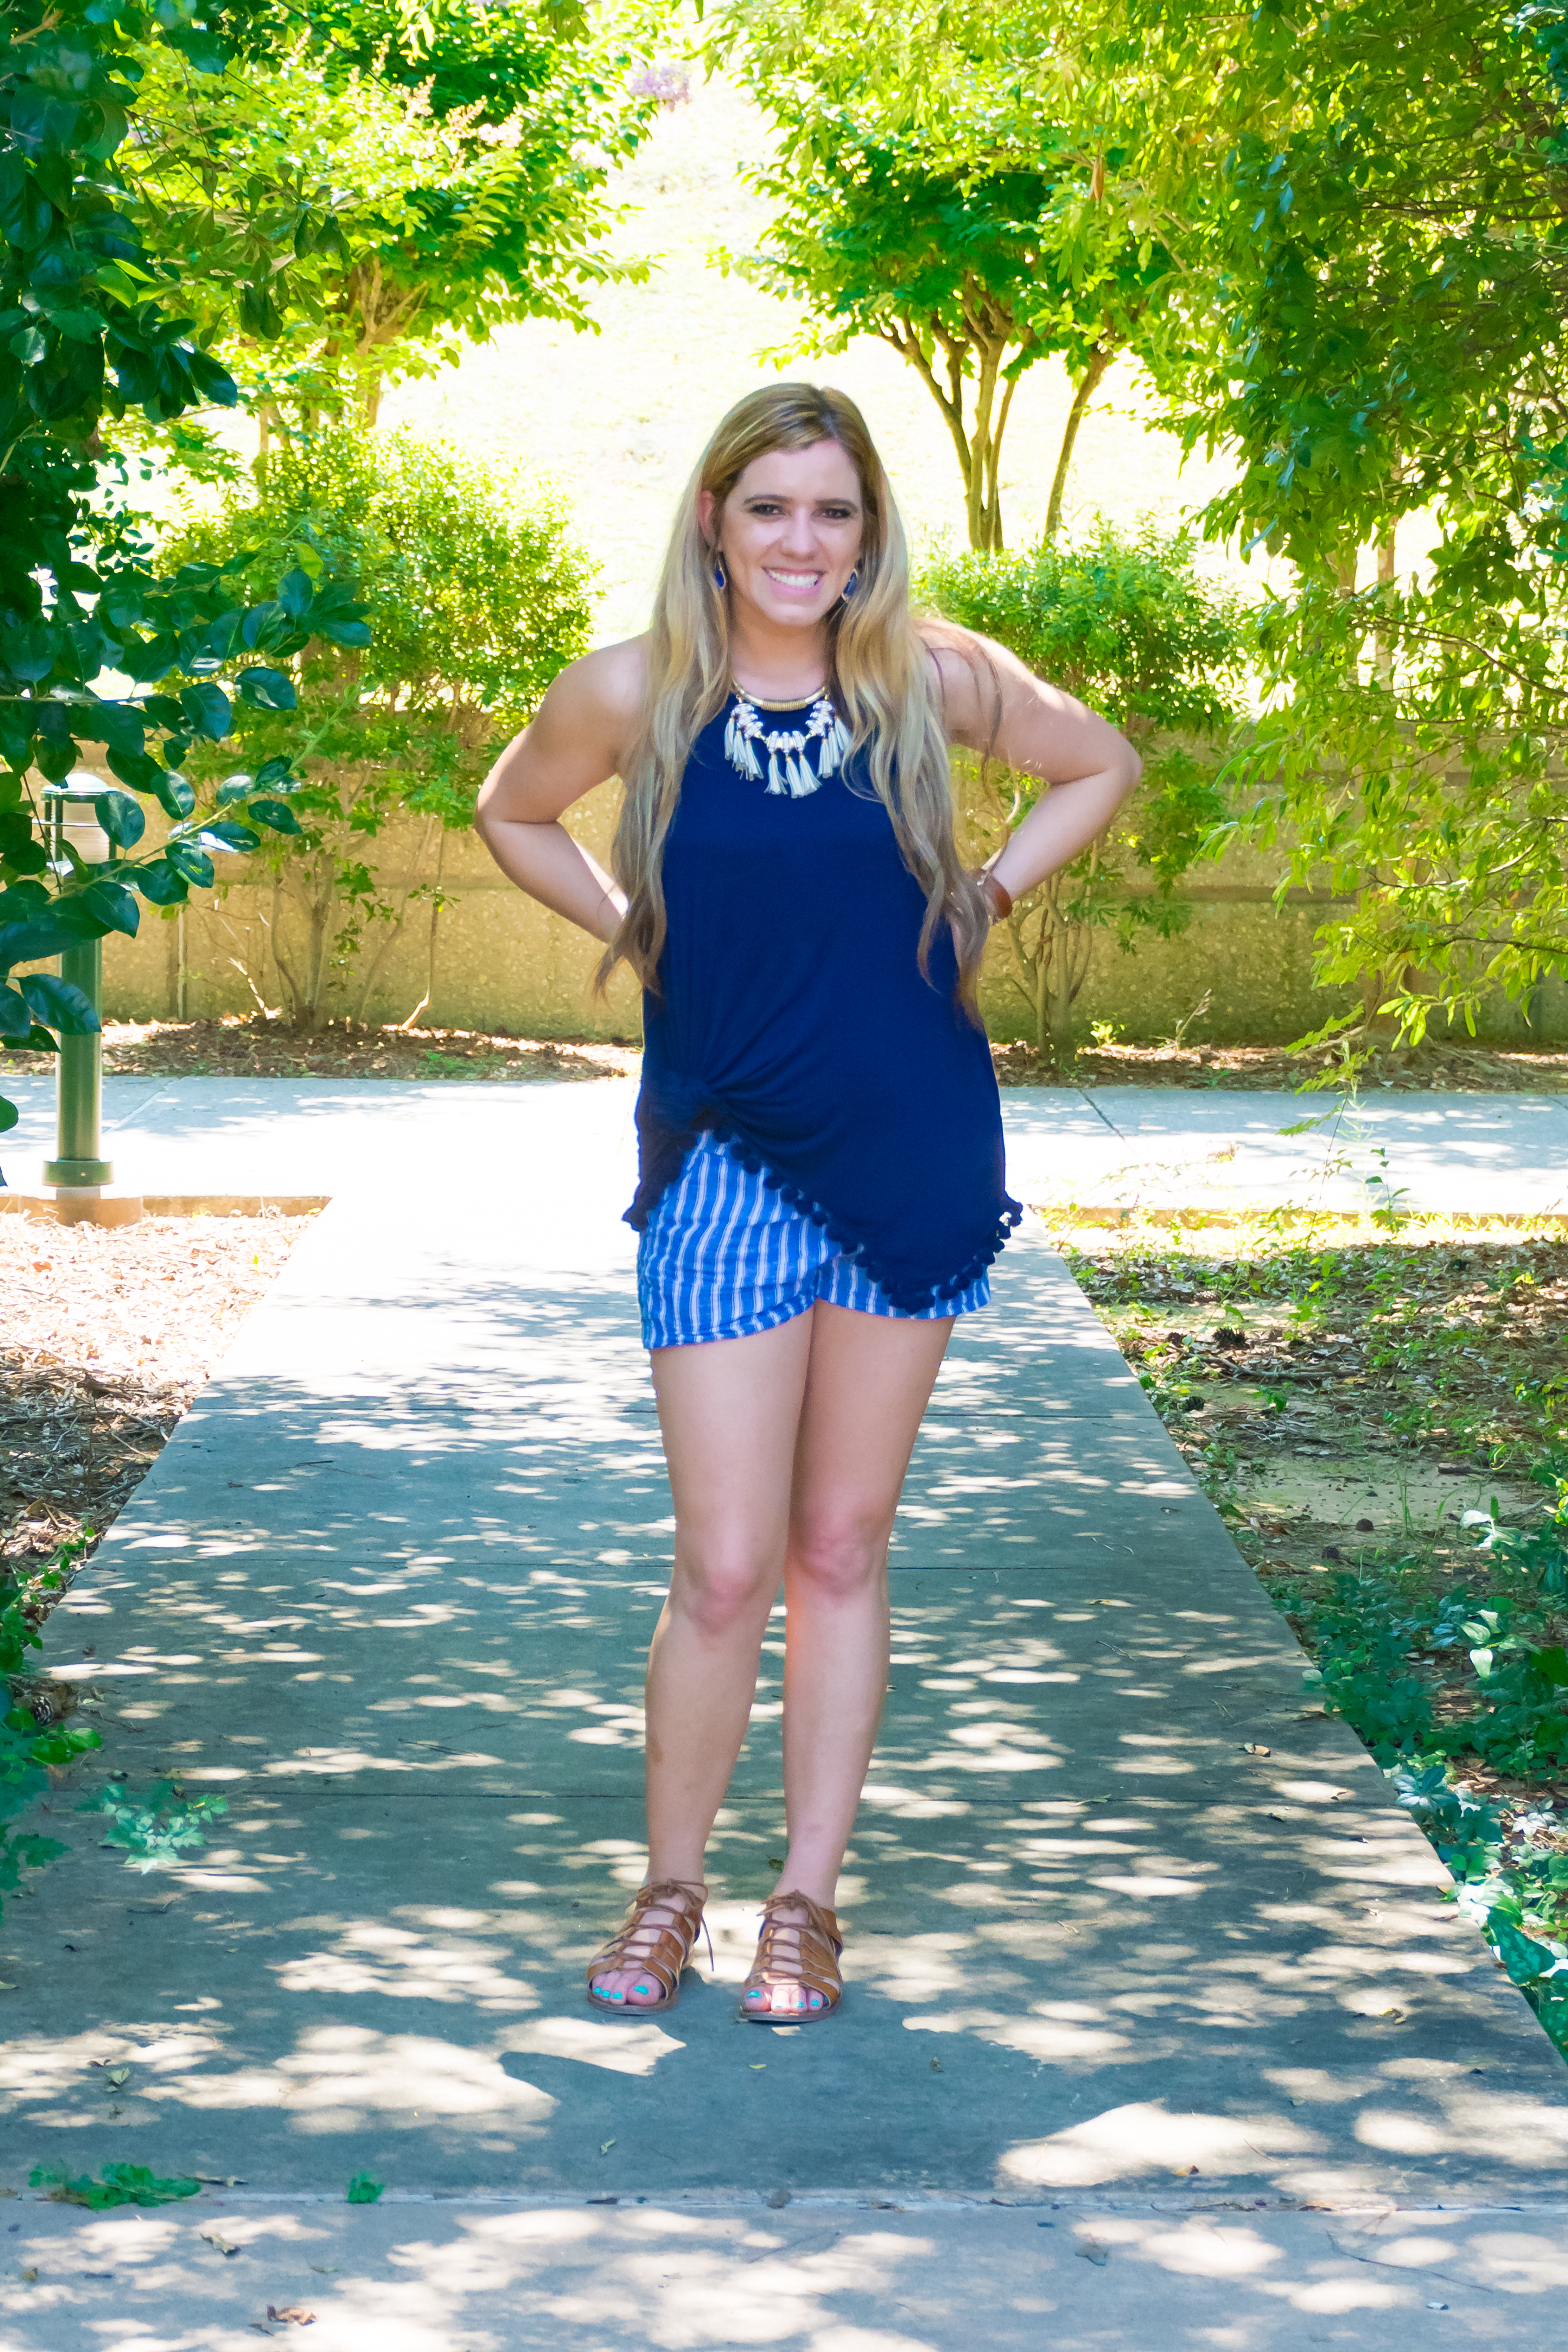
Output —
(605, 687)
(972, 677)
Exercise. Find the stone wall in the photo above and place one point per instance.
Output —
(503, 963)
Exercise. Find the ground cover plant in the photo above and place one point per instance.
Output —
(1417, 1366)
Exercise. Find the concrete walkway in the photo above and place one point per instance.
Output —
(1136, 1939)
(283, 1139)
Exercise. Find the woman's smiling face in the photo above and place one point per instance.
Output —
(789, 532)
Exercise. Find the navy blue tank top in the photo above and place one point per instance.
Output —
(794, 1023)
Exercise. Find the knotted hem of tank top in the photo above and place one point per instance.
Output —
(668, 1156)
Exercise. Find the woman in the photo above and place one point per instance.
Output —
(820, 1134)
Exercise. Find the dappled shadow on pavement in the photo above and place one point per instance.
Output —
(820, 2277)
(1123, 1907)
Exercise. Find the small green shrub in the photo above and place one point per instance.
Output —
(476, 594)
(1124, 621)
(476, 589)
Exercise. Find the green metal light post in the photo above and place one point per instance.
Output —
(70, 816)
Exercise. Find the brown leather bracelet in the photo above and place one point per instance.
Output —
(998, 898)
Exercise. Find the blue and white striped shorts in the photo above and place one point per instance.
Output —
(723, 1257)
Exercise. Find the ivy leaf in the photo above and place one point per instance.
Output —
(59, 1006)
(162, 885)
(111, 904)
(296, 594)
(122, 818)
(193, 864)
(15, 1015)
(1521, 1954)
(267, 690)
(172, 793)
(278, 814)
(207, 711)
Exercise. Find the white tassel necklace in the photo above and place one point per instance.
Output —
(790, 767)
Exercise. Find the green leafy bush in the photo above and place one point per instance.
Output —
(1124, 621)
(30, 1750)
(477, 595)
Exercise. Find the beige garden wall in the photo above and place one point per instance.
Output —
(503, 963)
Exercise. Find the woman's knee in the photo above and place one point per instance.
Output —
(720, 1592)
(838, 1554)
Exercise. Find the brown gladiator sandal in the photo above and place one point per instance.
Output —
(803, 1952)
(660, 1949)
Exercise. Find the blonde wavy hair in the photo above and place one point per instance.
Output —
(880, 672)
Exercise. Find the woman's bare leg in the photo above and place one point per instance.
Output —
(868, 1383)
(728, 1411)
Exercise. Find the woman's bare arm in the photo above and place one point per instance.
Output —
(577, 739)
(995, 706)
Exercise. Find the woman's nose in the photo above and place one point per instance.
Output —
(800, 531)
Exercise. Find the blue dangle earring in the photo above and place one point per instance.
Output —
(852, 583)
(720, 576)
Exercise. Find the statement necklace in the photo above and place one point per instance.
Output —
(790, 766)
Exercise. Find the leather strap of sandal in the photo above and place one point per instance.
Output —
(799, 1952)
(662, 1948)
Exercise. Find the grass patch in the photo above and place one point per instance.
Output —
(1381, 1416)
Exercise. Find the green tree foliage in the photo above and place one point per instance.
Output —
(422, 177)
(1369, 226)
(97, 648)
(917, 200)
(477, 594)
(1124, 622)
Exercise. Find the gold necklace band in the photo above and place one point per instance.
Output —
(797, 702)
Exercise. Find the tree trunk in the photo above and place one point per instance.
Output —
(977, 445)
(1382, 651)
(1089, 383)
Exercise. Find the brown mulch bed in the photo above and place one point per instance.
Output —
(253, 1047)
(1433, 1069)
(105, 1337)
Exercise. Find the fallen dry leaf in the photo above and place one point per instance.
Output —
(29, 2274)
(1092, 2250)
(221, 2245)
(115, 2076)
(291, 2315)
(605, 2146)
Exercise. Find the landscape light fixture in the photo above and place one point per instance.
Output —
(77, 1172)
